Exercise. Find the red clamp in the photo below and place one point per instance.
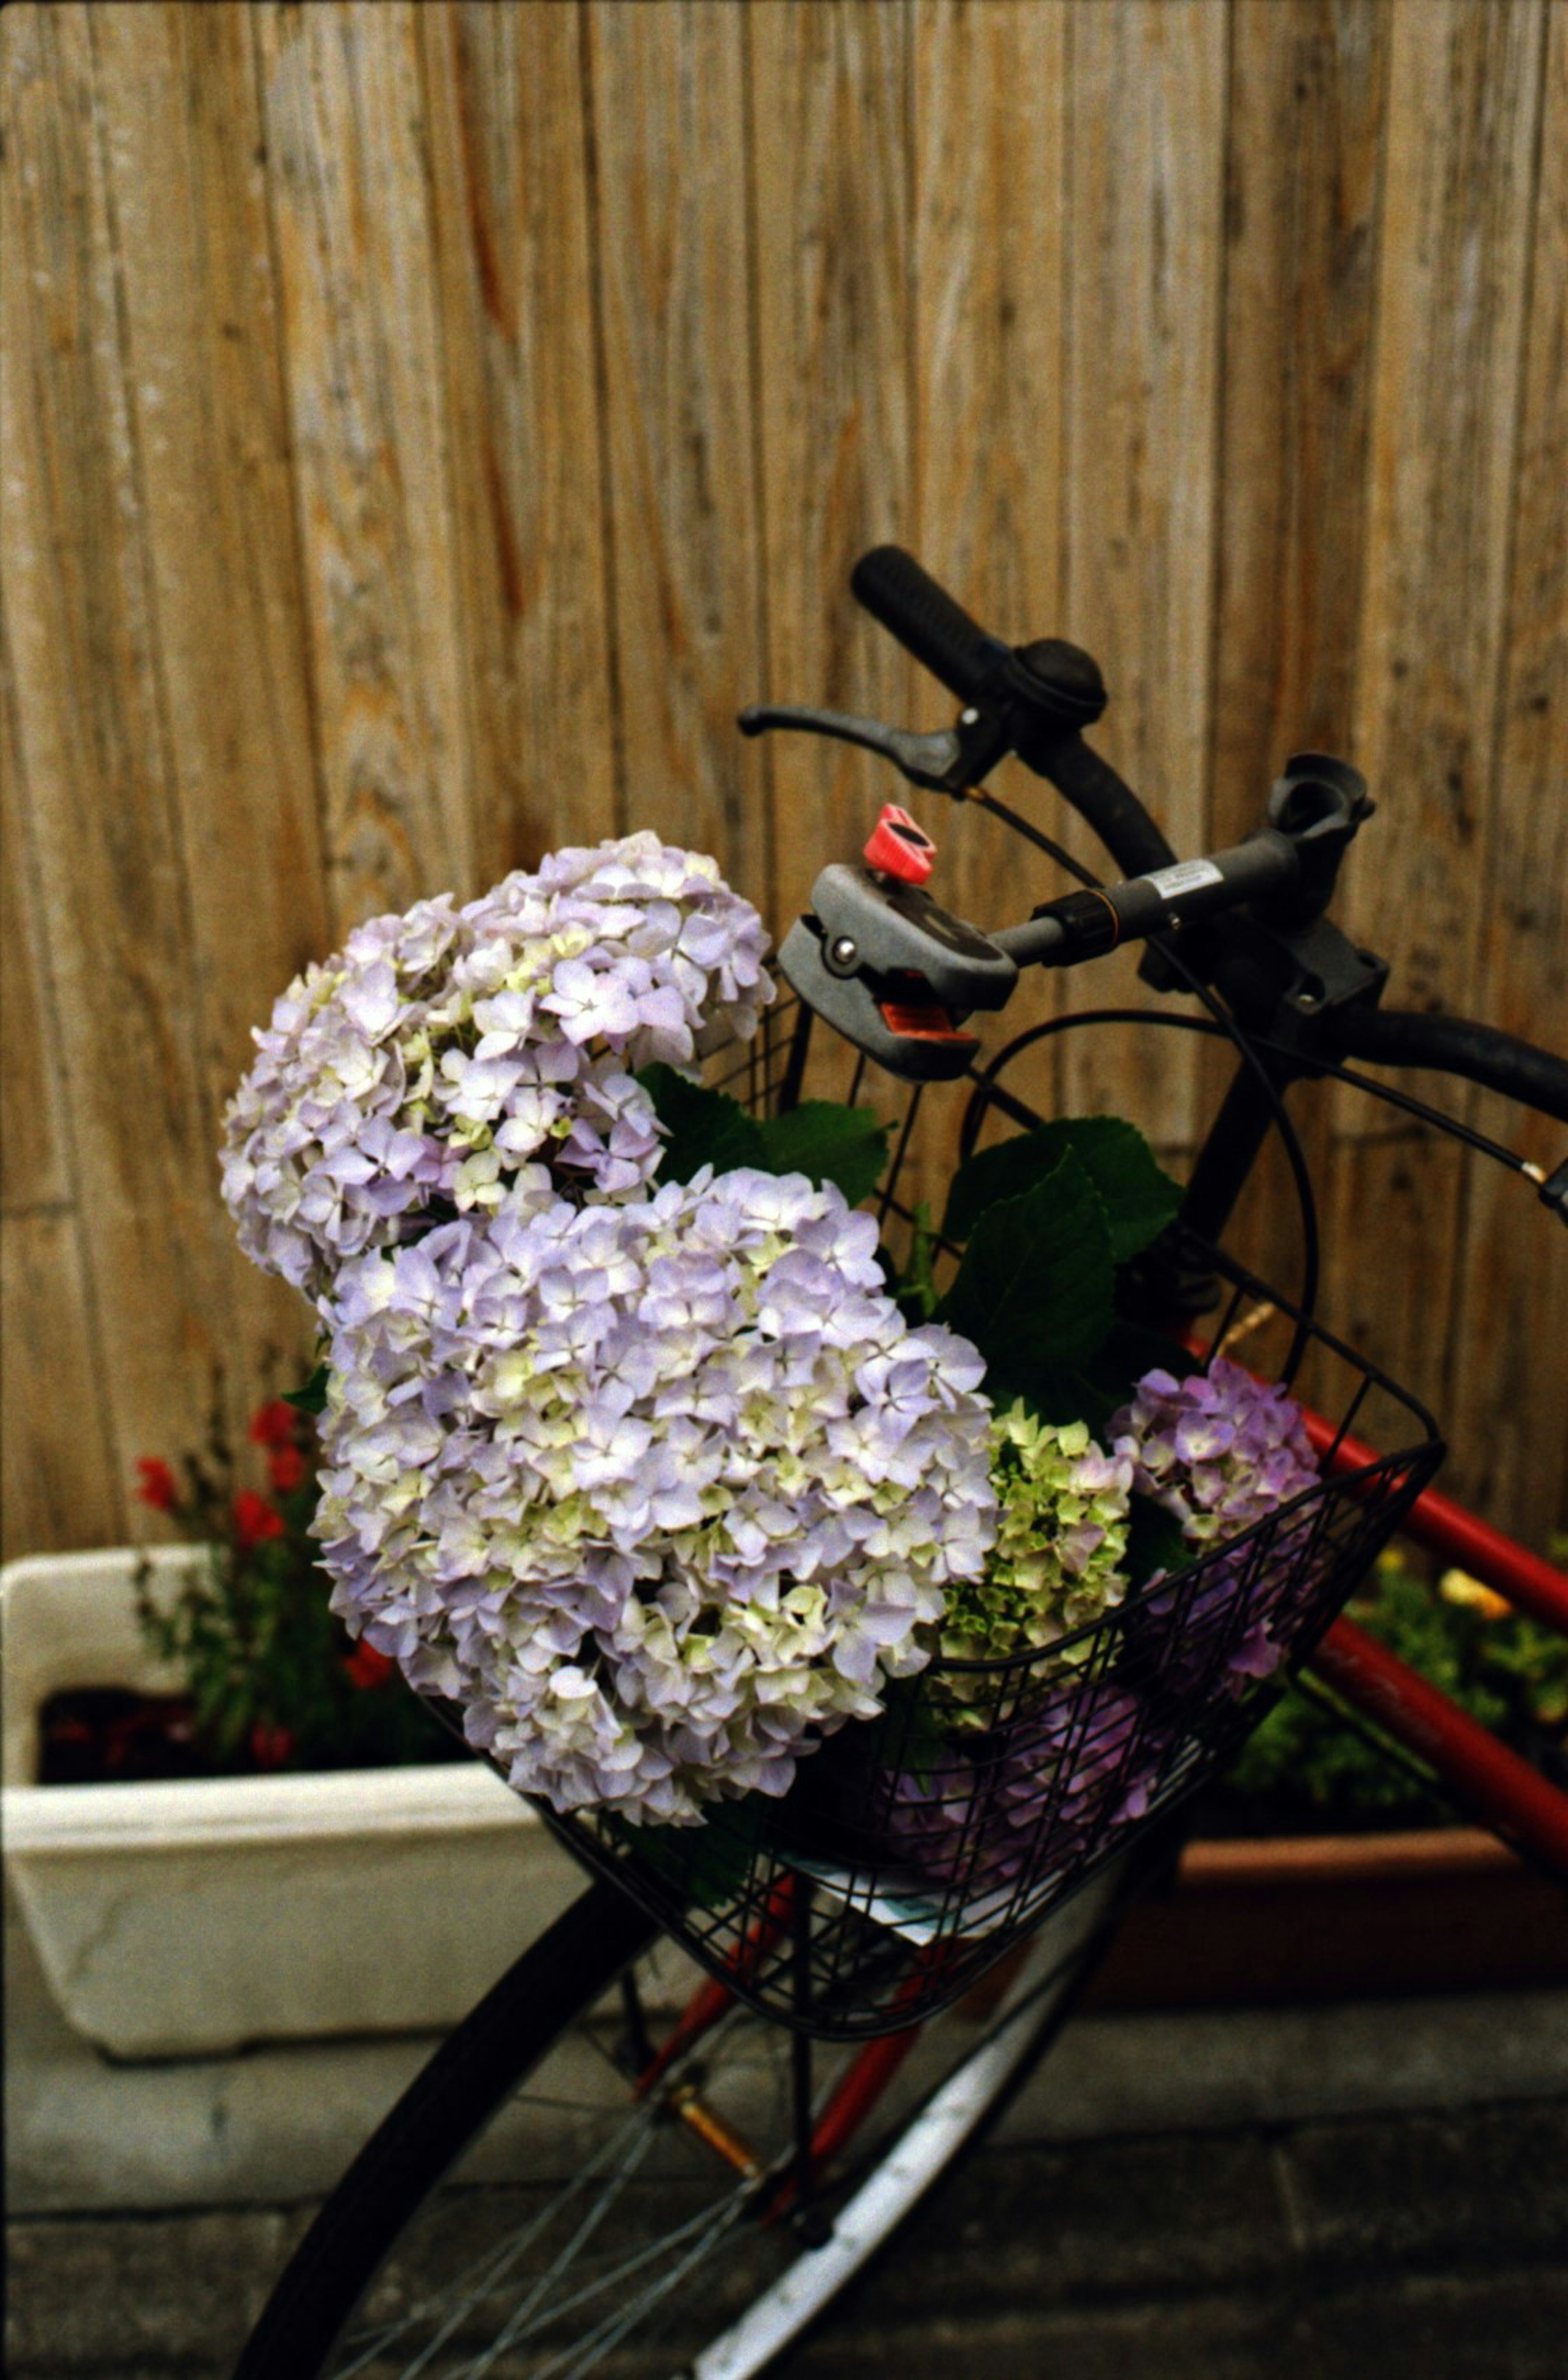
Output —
(899, 847)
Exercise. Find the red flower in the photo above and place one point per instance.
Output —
(274, 1424)
(270, 1746)
(253, 1520)
(366, 1667)
(285, 1468)
(158, 1485)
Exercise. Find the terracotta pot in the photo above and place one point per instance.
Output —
(1340, 1917)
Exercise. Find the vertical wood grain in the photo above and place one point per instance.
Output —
(60, 1480)
(98, 778)
(1464, 90)
(1507, 1392)
(668, 90)
(1303, 151)
(1145, 199)
(1304, 146)
(509, 229)
(349, 185)
(58, 1485)
(990, 130)
(832, 211)
(182, 141)
(35, 1168)
(1229, 341)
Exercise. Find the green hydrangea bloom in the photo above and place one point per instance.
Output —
(1061, 1538)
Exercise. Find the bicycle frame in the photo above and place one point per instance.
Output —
(1298, 980)
(1499, 1788)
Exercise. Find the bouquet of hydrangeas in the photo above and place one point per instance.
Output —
(640, 1450)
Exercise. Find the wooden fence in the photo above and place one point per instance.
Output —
(425, 426)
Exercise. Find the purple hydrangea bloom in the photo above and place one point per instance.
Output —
(660, 1493)
(1047, 1789)
(482, 1058)
(1224, 1451)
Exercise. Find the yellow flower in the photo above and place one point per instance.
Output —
(1458, 1587)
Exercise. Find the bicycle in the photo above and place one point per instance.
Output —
(734, 2066)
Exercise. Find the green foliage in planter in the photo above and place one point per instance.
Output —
(274, 1680)
(1305, 1770)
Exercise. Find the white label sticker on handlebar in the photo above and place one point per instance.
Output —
(1187, 876)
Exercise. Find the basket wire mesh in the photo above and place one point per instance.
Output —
(912, 1853)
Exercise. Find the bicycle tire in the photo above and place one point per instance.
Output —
(365, 2293)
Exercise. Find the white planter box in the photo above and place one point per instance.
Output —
(180, 1919)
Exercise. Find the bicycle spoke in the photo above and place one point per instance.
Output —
(515, 2326)
(491, 2266)
(610, 2333)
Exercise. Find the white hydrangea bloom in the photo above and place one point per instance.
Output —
(481, 1059)
(660, 1493)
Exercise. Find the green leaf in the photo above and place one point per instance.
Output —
(1154, 1541)
(828, 1142)
(703, 1128)
(1139, 1198)
(1034, 1290)
(1130, 1352)
(916, 1290)
(710, 1864)
(313, 1397)
(908, 1737)
(1062, 1393)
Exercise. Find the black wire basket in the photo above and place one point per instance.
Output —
(913, 1851)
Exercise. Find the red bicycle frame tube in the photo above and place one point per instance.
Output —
(1493, 1783)
(1504, 1790)
(1446, 1529)
(711, 1999)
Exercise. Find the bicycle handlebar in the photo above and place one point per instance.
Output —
(929, 623)
(1046, 692)
(1453, 1045)
(1043, 695)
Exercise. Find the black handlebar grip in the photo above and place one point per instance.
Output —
(923, 616)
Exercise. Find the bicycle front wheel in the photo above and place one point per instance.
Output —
(598, 2170)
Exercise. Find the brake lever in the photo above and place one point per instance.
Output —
(950, 762)
(893, 973)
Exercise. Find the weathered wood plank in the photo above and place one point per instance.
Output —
(349, 189)
(509, 226)
(97, 771)
(1508, 1384)
(1145, 211)
(182, 141)
(1464, 92)
(990, 171)
(668, 90)
(828, 99)
(35, 1168)
(1303, 147)
(1303, 143)
(62, 1479)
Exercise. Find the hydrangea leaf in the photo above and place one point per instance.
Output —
(313, 1397)
(908, 1736)
(1131, 1350)
(1140, 1199)
(1062, 1392)
(1034, 1291)
(828, 1142)
(703, 1128)
(1155, 1542)
(710, 1864)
